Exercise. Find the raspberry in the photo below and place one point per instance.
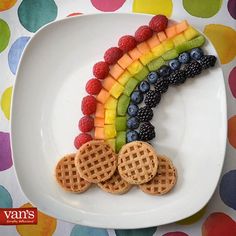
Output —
(101, 70)
(82, 139)
(93, 86)
(86, 124)
(143, 33)
(112, 55)
(88, 106)
(127, 43)
(158, 23)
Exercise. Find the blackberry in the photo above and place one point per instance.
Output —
(152, 98)
(161, 85)
(145, 114)
(177, 77)
(147, 132)
(207, 61)
(192, 69)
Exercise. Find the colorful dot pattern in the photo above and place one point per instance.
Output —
(216, 18)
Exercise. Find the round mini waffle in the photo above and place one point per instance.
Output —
(164, 180)
(96, 161)
(137, 162)
(68, 177)
(115, 184)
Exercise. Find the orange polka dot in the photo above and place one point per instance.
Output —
(223, 38)
(45, 227)
(6, 4)
(232, 131)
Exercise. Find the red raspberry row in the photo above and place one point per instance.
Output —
(101, 70)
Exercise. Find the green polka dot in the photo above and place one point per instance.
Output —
(202, 8)
(194, 218)
(136, 232)
(79, 230)
(4, 35)
(33, 14)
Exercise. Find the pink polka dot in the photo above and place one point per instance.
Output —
(232, 81)
(107, 5)
(175, 234)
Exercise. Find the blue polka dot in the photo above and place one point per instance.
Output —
(79, 230)
(136, 232)
(5, 198)
(228, 189)
(15, 53)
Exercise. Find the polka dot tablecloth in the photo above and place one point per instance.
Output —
(19, 20)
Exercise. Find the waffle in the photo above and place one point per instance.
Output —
(115, 184)
(164, 180)
(137, 162)
(96, 161)
(68, 177)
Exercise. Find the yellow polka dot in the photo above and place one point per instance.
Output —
(223, 38)
(194, 218)
(6, 102)
(154, 7)
(45, 227)
(6, 4)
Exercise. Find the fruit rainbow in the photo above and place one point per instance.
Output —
(150, 59)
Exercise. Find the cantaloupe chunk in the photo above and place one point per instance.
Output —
(108, 82)
(143, 47)
(99, 122)
(161, 36)
(181, 27)
(116, 90)
(99, 133)
(116, 71)
(103, 96)
(100, 112)
(135, 67)
(153, 41)
(135, 54)
(125, 61)
(123, 79)
(170, 31)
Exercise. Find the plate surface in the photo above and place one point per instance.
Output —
(190, 123)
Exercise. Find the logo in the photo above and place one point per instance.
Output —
(18, 216)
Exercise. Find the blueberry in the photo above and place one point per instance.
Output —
(132, 110)
(131, 136)
(153, 77)
(144, 87)
(174, 64)
(196, 53)
(164, 71)
(136, 97)
(184, 58)
(133, 123)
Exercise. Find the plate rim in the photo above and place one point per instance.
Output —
(94, 223)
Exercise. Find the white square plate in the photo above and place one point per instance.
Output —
(190, 123)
